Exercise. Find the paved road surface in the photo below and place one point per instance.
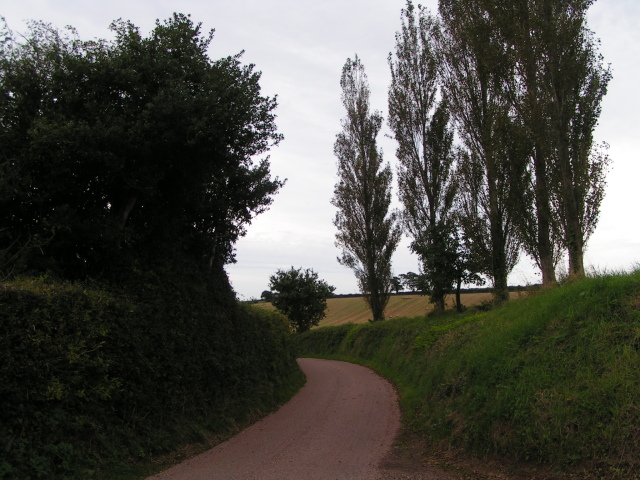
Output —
(339, 426)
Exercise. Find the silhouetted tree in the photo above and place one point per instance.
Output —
(476, 64)
(130, 151)
(557, 90)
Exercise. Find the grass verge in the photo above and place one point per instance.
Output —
(551, 379)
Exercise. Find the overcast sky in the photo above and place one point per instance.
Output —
(300, 47)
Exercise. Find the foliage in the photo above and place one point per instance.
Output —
(300, 296)
(466, 267)
(367, 233)
(446, 261)
(438, 249)
(128, 166)
(119, 152)
(551, 378)
(266, 295)
(396, 284)
(476, 64)
(426, 172)
(579, 169)
(92, 377)
(557, 89)
(412, 281)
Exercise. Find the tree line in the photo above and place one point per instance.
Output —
(493, 106)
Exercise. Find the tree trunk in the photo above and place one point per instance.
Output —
(459, 307)
(498, 243)
(576, 249)
(122, 215)
(574, 238)
(439, 304)
(543, 214)
(499, 262)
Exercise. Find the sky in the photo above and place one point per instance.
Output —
(300, 47)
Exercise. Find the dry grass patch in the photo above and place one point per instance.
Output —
(341, 310)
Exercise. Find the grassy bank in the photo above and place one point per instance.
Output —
(553, 378)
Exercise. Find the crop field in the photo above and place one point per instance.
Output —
(341, 310)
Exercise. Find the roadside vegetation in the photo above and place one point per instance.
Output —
(95, 380)
(550, 379)
(120, 336)
(300, 296)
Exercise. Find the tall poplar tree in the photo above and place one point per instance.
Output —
(426, 170)
(368, 233)
(575, 82)
(476, 64)
(557, 88)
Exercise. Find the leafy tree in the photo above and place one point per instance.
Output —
(476, 63)
(438, 251)
(426, 174)
(412, 281)
(133, 151)
(575, 82)
(465, 267)
(537, 224)
(557, 89)
(367, 233)
(396, 284)
(266, 295)
(301, 296)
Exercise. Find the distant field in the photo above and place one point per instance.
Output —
(343, 310)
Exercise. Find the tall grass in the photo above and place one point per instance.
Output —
(553, 378)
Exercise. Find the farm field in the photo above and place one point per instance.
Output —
(341, 310)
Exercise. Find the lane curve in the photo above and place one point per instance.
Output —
(339, 426)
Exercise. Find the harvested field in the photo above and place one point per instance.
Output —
(341, 310)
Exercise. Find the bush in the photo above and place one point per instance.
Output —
(301, 296)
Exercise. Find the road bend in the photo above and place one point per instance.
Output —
(338, 427)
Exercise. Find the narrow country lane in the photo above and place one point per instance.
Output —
(339, 426)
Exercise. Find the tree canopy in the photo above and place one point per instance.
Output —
(421, 125)
(556, 88)
(131, 150)
(476, 63)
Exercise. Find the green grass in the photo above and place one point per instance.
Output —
(553, 378)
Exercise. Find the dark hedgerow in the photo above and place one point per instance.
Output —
(90, 377)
